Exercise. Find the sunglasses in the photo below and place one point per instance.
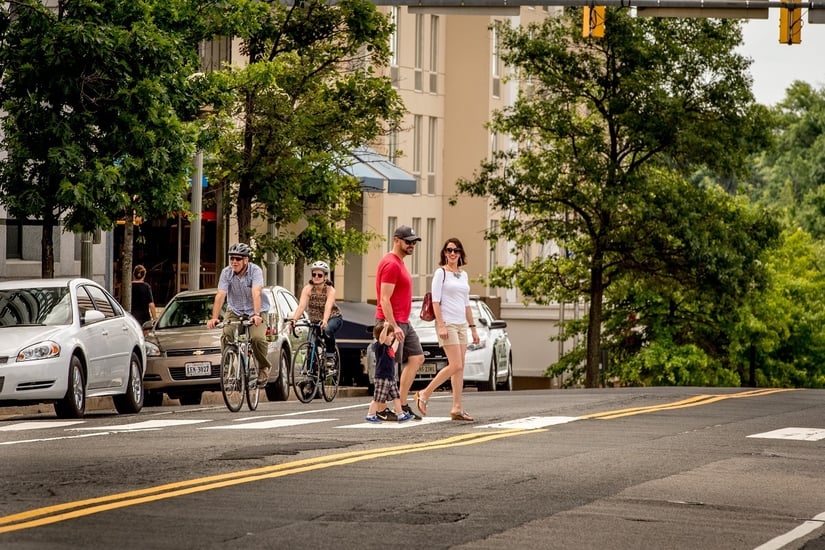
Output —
(235, 258)
(450, 250)
(317, 275)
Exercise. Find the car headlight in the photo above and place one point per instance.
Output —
(40, 350)
(151, 349)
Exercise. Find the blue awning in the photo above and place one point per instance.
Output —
(373, 169)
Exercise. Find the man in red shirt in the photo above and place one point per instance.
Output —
(393, 289)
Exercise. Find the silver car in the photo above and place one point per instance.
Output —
(184, 357)
(65, 340)
(489, 365)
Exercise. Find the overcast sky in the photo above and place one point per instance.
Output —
(776, 65)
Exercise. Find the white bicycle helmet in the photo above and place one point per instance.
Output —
(240, 249)
(323, 266)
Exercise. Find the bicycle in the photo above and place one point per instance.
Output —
(239, 369)
(313, 371)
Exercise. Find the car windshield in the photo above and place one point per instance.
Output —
(35, 306)
(415, 314)
(186, 312)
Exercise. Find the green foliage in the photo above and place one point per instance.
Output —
(97, 104)
(608, 129)
(309, 95)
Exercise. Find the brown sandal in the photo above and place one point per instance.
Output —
(462, 416)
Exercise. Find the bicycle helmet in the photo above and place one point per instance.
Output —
(323, 266)
(240, 249)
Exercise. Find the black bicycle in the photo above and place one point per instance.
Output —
(313, 370)
(239, 369)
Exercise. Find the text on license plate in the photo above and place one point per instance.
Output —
(198, 368)
(428, 368)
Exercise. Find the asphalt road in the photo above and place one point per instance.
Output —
(619, 469)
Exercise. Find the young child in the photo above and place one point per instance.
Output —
(386, 386)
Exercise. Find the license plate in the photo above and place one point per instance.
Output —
(428, 368)
(199, 368)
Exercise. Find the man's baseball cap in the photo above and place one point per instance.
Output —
(406, 233)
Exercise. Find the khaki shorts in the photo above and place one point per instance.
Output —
(456, 334)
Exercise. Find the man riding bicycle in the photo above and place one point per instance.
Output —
(241, 284)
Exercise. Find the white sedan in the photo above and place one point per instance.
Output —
(65, 340)
(489, 365)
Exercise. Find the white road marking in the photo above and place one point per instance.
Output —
(796, 533)
(397, 425)
(800, 434)
(530, 423)
(146, 425)
(269, 424)
(20, 426)
(54, 438)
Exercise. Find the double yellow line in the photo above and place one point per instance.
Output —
(80, 508)
(694, 401)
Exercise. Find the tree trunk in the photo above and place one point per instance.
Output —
(47, 246)
(126, 255)
(298, 271)
(594, 327)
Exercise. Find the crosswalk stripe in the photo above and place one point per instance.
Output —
(396, 425)
(146, 425)
(21, 426)
(269, 424)
(800, 434)
(530, 423)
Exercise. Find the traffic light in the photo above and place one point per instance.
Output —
(593, 22)
(790, 24)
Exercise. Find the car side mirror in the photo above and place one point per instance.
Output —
(92, 316)
(498, 324)
(483, 321)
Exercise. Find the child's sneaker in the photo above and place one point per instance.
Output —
(404, 416)
(372, 418)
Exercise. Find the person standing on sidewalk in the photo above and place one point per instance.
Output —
(453, 317)
(393, 289)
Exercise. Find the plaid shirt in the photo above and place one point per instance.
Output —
(239, 289)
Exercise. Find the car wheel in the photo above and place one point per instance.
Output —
(191, 398)
(508, 382)
(153, 399)
(73, 404)
(132, 401)
(490, 383)
(279, 390)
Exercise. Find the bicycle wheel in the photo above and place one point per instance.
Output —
(253, 394)
(331, 377)
(232, 380)
(304, 381)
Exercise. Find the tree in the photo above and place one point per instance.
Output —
(599, 121)
(97, 104)
(790, 175)
(309, 95)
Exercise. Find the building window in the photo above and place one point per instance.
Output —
(394, 46)
(419, 50)
(14, 240)
(392, 223)
(416, 259)
(497, 66)
(432, 250)
(215, 54)
(433, 54)
(418, 121)
(432, 154)
(392, 146)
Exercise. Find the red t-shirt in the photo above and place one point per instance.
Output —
(391, 269)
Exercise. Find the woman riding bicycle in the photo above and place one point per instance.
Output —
(318, 299)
